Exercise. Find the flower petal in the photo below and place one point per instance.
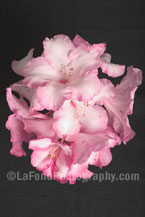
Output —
(78, 41)
(75, 116)
(92, 118)
(83, 61)
(66, 120)
(56, 50)
(85, 88)
(84, 144)
(52, 95)
(38, 72)
(42, 128)
(121, 104)
(18, 106)
(18, 65)
(111, 69)
(107, 90)
(63, 164)
(29, 94)
(18, 135)
(101, 158)
(41, 150)
(78, 170)
(37, 144)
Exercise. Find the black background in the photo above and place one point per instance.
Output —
(121, 24)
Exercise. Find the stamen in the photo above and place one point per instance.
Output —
(54, 154)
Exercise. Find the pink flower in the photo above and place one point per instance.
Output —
(53, 159)
(86, 116)
(24, 125)
(75, 117)
(66, 70)
(119, 101)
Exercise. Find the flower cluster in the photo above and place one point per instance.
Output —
(69, 116)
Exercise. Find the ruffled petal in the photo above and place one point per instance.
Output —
(85, 88)
(63, 164)
(111, 69)
(78, 171)
(43, 158)
(101, 158)
(18, 65)
(42, 148)
(92, 118)
(29, 94)
(78, 41)
(107, 90)
(18, 106)
(121, 102)
(42, 128)
(83, 61)
(76, 116)
(52, 95)
(18, 135)
(38, 72)
(37, 144)
(84, 144)
(56, 50)
(66, 120)
(126, 89)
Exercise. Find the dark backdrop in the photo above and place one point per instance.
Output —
(119, 23)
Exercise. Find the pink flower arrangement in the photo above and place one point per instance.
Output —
(86, 116)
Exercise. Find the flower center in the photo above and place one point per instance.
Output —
(55, 153)
(66, 71)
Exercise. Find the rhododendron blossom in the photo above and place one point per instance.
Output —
(69, 116)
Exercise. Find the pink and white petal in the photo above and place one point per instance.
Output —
(84, 144)
(125, 91)
(42, 148)
(18, 65)
(37, 144)
(63, 163)
(78, 171)
(101, 158)
(122, 103)
(18, 135)
(66, 120)
(99, 48)
(51, 96)
(42, 128)
(83, 61)
(16, 105)
(56, 50)
(119, 121)
(107, 90)
(38, 71)
(78, 41)
(38, 156)
(29, 94)
(112, 70)
(132, 79)
(104, 158)
(92, 118)
(85, 87)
